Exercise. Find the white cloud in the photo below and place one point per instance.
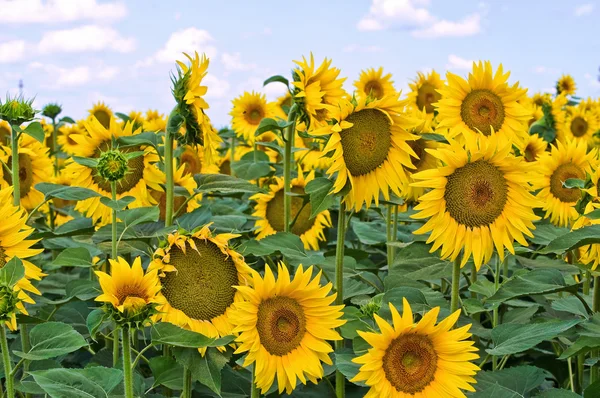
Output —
(584, 9)
(58, 11)
(415, 16)
(12, 51)
(60, 77)
(544, 70)
(188, 41)
(233, 62)
(356, 48)
(217, 88)
(85, 38)
(456, 62)
(107, 73)
(266, 31)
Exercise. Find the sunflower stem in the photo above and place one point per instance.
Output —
(340, 381)
(571, 378)
(26, 347)
(15, 167)
(395, 231)
(254, 391)
(115, 345)
(187, 383)
(455, 284)
(54, 146)
(10, 391)
(231, 156)
(595, 307)
(388, 231)
(169, 178)
(495, 311)
(127, 369)
(287, 170)
(113, 191)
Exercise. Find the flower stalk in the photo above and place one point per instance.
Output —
(340, 380)
(127, 368)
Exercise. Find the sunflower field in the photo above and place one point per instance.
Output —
(436, 243)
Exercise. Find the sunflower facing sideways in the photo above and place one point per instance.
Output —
(283, 325)
(35, 166)
(579, 125)
(482, 104)
(14, 243)
(374, 83)
(5, 132)
(198, 273)
(102, 113)
(566, 85)
(65, 138)
(248, 111)
(590, 254)
(269, 210)
(564, 161)
(370, 148)
(533, 148)
(424, 359)
(424, 91)
(479, 200)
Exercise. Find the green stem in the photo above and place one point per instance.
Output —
(26, 347)
(340, 381)
(395, 231)
(127, 370)
(254, 390)
(587, 282)
(580, 372)
(54, 146)
(113, 191)
(187, 383)
(115, 345)
(571, 378)
(495, 311)
(15, 167)
(388, 231)
(170, 184)
(595, 307)
(287, 174)
(473, 279)
(10, 391)
(455, 284)
(231, 156)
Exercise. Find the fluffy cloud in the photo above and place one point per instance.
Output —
(544, 70)
(187, 40)
(456, 62)
(415, 16)
(72, 77)
(233, 62)
(584, 9)
(57, 11)
(12, 51)
(85, 38)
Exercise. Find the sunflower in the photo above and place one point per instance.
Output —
(540, 99)
(269, 211)
(102, 113)
(48, 129)
(154, 121)
(136, 117)
(566, 85)
(284, 326)
(370, 148)
(248, 111)
(317, 90)
(282, 105)
(564, 161)
(5, 132)
(127, 289)
(198, 273)
(135, 183)
(534, 147)
(35, 166)
(483, 104)
(14, 243)
(590, 254)
(65, 138)
(479, 200)
(308, 152)
(425, 91)
(579, 125)
(61, 215)
(192, 158)
(374, 83)
(423, 359)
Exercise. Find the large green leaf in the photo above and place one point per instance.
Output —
(35, 130)
(574, 239)
(514, 382)
(320, 198)
(167, 372)
(538, 281)
(343, 363)
(557, 393)
(12, 272)
(94, 382)
(204, 368)
(138, 215)
(52, 339)
(415, 262)
(167, 333)
(65, 192)
(73, 257)
(221, 183)
(582, 345)
(248, 169)
(513, 338)
(369, 233)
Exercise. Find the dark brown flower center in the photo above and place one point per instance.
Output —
(253, 115)
(482, 110)
(299, 213)
(161, 199)
(579, 126)
(103, 117)
(281, 324)
(191, 162)
(427, 96)
(225, 167)
(562, 174)
(410, 363)
(374, 89)
(25, 174)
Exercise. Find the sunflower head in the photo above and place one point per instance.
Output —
(102, 113)
(566, 85)
(374, 83)
(129, 294)
(5, 132)
(579, 125)
(424, 91)
(17, 110)
(248, 111)
(533, 148)
(52, 110)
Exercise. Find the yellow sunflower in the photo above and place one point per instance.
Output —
(425, 91)
(424, 359)
(564, 161)
(14, 243)
(284, 326)
(35, 166)
(198, 273)
(566, 85)
(540, 99)
(483, 104)
(579, 125)
(135, 183)
(248, 110)
(269, 211)
(479, 200)
(136, 117)
(590, 254)
(61, 205)
(283, 105)
(102, 113)
(370, 148)
(5, 132)
(534, 147)
(154, 121)
(374, 83)
(127, 288)
(317, 89)
(192, 158)
(65, 138)
(309, 152)
(269, 137)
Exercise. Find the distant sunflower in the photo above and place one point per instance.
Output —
(35, 166)
(534, 147)
(282, 105)
(579, 125)
(424, 91)
(590, 254)
(284, 326)
(269, 210)
(102, 113)
(5, 132)
(154, 121)
(199, 273)
(192, 158)
(483, 104)
(479, 200)
(370, 148)
(317, 89)
(136, 117)
(564, 161)
(248, 111)
(374, 83)
(14, 243)
(540, 99)
(135, 183)
(309, 153)
(269, 137)
(423, 359)
(566, 85)
(65, 138)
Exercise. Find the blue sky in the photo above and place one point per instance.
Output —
(77, 52)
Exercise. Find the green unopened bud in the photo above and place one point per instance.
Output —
(52, 110)
(8, 302)
(112, 165)
(371, 308)
(17, 111)
(185, 115)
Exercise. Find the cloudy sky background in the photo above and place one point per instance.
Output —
(77, 52)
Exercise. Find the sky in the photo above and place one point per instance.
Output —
(79, 52)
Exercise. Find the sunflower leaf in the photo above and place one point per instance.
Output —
(91, 163)
(574, 239)
(36, 131)
(65, 192)
(79, 383)
(12, 272)
(167, 372)
(213, 183)
(167, 333)
(73, 257)
(538, 281)
(573, 183)
(50, 340)
(94, 321)
(118, 204)
(319, 191)
(277, 79)
(511, 382)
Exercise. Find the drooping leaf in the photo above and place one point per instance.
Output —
(221, 183)
(52, 339)
(167, 372)
(167, 333)
(206, 369)
(320, 197)
(538, 281)
(574, 239)
(277, 79)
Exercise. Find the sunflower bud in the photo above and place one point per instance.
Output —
(52, 111)
(371, 308)
(8, 303)
(112, 165)
(17, 111)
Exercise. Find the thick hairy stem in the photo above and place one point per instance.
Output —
(340, 381)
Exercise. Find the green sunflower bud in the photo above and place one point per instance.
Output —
(8, 302)
(17, 111)
(371, 308)
(52, 110)
(184, 115)
(112, 165)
